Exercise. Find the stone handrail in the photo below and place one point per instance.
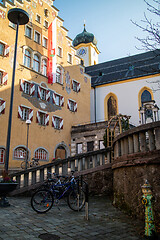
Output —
(32, 177)
(140, 139)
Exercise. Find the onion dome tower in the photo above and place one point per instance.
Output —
(86, 45)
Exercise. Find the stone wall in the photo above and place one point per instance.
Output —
(99, 179)
(130, 173)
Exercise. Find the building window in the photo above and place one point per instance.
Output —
(101, 144)
(12, 25)
(2, 46)
(45, 42)
(1, 77)
(37, 37)
(59, 52)
(2, 155)
(43, 94)
(25, 113)
(75, 86)
(36, 63)
(58, 99)
(42, 118)
(41, 154)
(38, 18)
(57, 122)
(46, 12)
(79, 148)
(69, 58)
(112, 107)
(20, 153)
(59, 78)
(146, 96)
(46, 24)
(44, 67)
(2, 106)
(72, 105)
(27, 58)
(28, 32)
(27, 87)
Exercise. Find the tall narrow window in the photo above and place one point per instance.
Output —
(58, 75)
(27, 58)
(2, 154)
(145, 97)
(44, 66)
(2, 49)
(28, 32)
(36, 63)
(37, 37)
(112, 107)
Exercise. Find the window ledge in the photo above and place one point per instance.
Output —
(30, 69)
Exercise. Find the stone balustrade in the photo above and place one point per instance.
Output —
(33, 177)
(140, 139)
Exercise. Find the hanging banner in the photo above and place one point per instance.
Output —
(51, 64)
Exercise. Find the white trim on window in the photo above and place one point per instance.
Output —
(36, 33)
(27, 26)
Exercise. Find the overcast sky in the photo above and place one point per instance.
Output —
(108, 20)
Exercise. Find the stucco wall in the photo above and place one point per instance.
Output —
(127, 94)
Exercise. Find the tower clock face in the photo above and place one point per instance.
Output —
(82, 51)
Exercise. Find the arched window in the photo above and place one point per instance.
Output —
(27, 58)
(111, 106)
(58, 75)
(44, 67)
(2, 154)
(20, 153)
(146, 96)
(41, 154)
(36, 63)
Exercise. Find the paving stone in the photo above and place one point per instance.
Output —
(20, 222)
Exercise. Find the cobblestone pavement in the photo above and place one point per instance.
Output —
(20, 222)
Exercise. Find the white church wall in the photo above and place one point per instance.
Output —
(94, 56)
(127, 95)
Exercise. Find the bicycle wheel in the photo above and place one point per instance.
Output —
(76, 201)
(34, 164)
(42, 201)
(23, 165)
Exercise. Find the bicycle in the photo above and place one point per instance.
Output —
(42, 200)
(33, 163)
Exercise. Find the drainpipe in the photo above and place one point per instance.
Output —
(95, 104)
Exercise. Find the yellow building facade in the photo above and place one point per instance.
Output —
(52, 107)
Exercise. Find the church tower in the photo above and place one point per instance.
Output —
(86, 45)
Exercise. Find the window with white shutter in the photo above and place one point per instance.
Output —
(72, 105)
(3, 78)
(4, 49)
(27, 87)
(2, 106)
(42, 118)
(57, 122)
(75, 86)
(25, 113)
(43, 93)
